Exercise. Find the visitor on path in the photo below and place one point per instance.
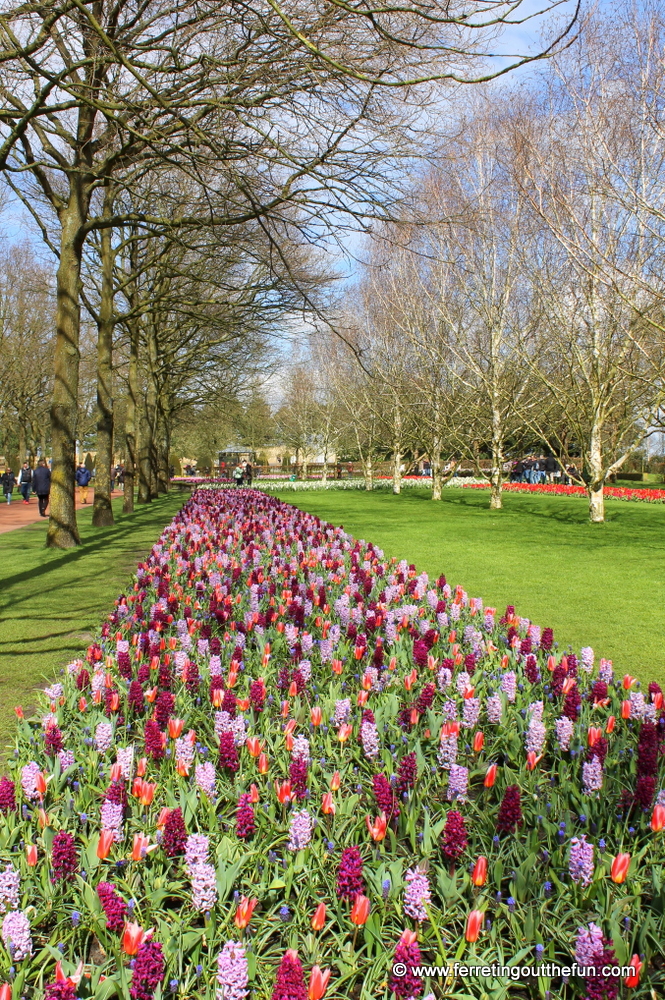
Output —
(25, 481)
(551, 468)
(248, 474)
(120, 476)
(83, 477)
(8, 483)
(238, 475)
(41, 484)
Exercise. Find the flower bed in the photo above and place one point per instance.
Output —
(287, 764)
(611, 492)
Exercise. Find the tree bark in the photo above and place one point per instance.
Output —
(397, 450)
(596, 477)
(102, 513)
(131, 421)
(435, 461)
(63, 529)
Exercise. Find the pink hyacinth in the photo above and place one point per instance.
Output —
(232, 972)
(417, 895)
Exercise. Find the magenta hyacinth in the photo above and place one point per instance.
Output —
(290, 984)
(148, 971)
(175, 834)
(409, 986)
(114, 907)
(63, 990)
(64, 858)
(510, 810)
(350, 879)
(7, 796)
(455, 838)
(228, 754)
(245, 822)
(154, 746)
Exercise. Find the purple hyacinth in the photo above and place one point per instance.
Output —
(592, 776)
(232, 972)
(509, 685)
(10, 884)
(205, 778)
(494, 709)
(16, 935)
(589, 946)
(458, 784)
(300, 830)
(417, 894)
(408, 986)
(580, 862)
(196, 849)
(204, 886)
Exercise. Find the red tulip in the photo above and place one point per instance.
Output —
(625, 709)
(532, 760)
(104, 844)
(316, 715)
(140, 846)
(478, 741)
(318, 982)
(327, 805)
(490, 776)
(658, 819)
(658, 700)
(360, 910)
(176, 727)
(262, 763)
(164, 814)
(254, 746)
(132, 937)
(620, 867)
(244, 912)
(474, 922)
(40, 784)
(631, 980)
(254, 794)
(378, 828)
(337, 666)
(31, 857)
(141, 767)
(319, 918)
(362, 698)
(344, 732)
(479, 874)
(283, 791)
(83, 704)
(628, 681)
(288, 740)
(611, 722)
(593, 735)
(5, 992)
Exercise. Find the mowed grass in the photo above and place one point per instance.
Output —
(595, 585)
(52, 602)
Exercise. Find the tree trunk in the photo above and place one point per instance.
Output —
(148, 434)
(131, 421)
(144, 453)
(496, 475)
(163, 450)
(62, 529)
(102, 512)
(22, 442)
(368, 469)
(397, 450)
(596, 477)
(435, 460)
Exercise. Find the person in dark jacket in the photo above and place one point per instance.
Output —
(83, 477)
(41, 484)
(248, 474)
(25, 482)
(8, 483)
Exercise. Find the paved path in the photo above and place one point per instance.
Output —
(17, 514)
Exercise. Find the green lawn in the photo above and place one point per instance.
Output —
(52, 602)
(595, 585)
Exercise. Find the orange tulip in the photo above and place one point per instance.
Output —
(288, 741)
(142, 767)
(151, 695)
(532, 760)
(628, 682)
(474, 922)
(658, 700)
(362, 698)
(335, 781)
(176, 727)
(104, 844)
(83, 704)
(593, 735)
(568, 685)
(469, 693)
(116, 772)
(290, 726)
(378, 828)
(146, 792)
(625, 709)
(182, 767)
(293, 689)
(263, 763)
(479, 874)
(611, 722)
(40, 784)
(316, 716)
(631, 981)
(318, 983)
(337, 666)
(285, 709)
(253, 793)
(132, 937)
(5, 992)
(31, 854)
(478, 742)
(114, 703)
(217, 698)
(360, 910)
(43, 818)
(244, 912)
(319, 918)
(407, 937)
(327, 805)
(344, 732)
(253, 745)
(620, 867)
(140, 846)
(551, 663)
(658, 819)
(283, 791)
(490, 776)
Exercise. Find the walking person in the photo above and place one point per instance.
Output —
(41, 484)
(83, 477)
(238, 475)
(25, 482)
(248, 474)
(8, 483)
(120, 473)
